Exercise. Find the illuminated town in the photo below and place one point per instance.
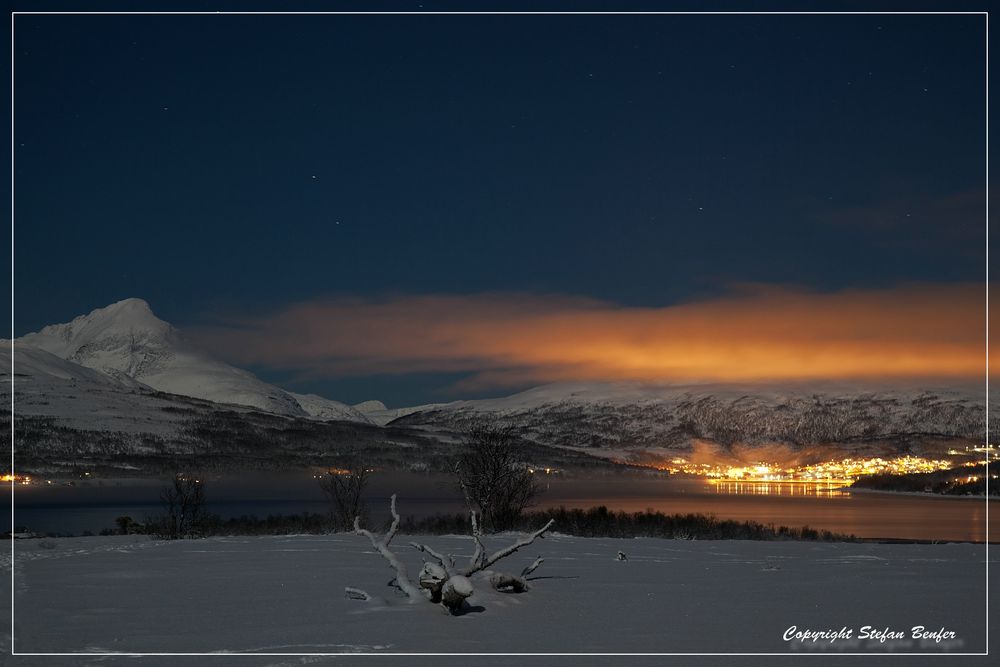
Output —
(843, 472)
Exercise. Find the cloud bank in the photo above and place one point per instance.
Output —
(756, 332)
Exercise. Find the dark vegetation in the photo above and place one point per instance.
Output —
(953, 482)
(593, 522)
(602, 522)
(343, 489)
(184, 500)
(229, 440)
(211, 525)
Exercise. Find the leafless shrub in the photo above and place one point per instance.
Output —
(184, 499)
(343, 487)
(496, 482)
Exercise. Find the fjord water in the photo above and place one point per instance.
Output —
(94, 505)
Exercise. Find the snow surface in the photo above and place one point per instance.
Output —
(286, 595)
(35, 362)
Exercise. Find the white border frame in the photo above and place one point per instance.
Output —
(886, 654)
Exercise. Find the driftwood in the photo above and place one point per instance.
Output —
(480, 561)
(502, 581)
(356, 594)
(402, 580)
(440, 582)
(432, 579)
(454, 592)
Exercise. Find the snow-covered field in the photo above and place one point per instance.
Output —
(286, 595)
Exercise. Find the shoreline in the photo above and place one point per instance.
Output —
(916, 494)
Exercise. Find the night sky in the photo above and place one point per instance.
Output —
(228, 169)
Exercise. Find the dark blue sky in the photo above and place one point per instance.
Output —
(239, 163)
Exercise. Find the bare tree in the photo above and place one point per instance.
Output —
(343, 487)
(184, 498)
(444, 582)
(494, 479)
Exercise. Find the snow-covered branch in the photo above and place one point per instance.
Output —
(446, 563)
(531, 568)
(477, 557)
(402, 578)
(440, 582)
(506, 551)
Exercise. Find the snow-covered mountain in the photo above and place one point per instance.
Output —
(377, 413)
(77, 397)
(631, 417)
(69, 418)
(126, 341)
(325, 409)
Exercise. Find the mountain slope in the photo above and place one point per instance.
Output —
(633, 417)
(377, 413)
(47, 386)
(325, 409)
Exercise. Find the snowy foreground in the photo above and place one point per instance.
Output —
(285, 595)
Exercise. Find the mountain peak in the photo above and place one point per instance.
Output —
(369, 406)
(131, 303)
(131, 313)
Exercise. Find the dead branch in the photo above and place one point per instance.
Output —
(506, 551)
(402, 580)
(446, 563)
(531, 568)
(501, 581)
(439, 582)
(477, 558)
(356, 594)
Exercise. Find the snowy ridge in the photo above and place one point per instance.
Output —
(377, 413)
(369, 406)
(325, 409)
(635, 416)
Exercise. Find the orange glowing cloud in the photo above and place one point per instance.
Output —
(757, 332)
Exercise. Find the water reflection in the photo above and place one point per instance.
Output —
(754, 488)
(95, 504)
